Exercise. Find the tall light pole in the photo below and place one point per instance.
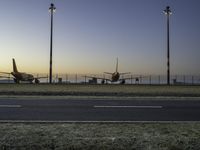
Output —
(168, 12)
(52, 9)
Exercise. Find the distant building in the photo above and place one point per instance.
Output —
(93, 81)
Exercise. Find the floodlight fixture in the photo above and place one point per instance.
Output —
(52, 8)
(167, 11)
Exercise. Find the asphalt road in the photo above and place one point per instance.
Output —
(99, 110)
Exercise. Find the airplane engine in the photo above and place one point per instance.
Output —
(102, 81)
(16, 81)
(123, 81)
(37, 81)
(137, 80)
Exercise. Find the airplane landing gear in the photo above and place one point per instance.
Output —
(103, 82)
(37, 81)
(123, 82)
(16, 81)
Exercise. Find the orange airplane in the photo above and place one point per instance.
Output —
(21, 76)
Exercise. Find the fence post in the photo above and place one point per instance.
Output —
(66, 76)
(159, 79)
(47, 78)
(192, 80)
(85, 79)
(9, 78)
(176, 77)
(184, 79)
(56, 78)
(150, 79)
(76, 78)
(131, 79)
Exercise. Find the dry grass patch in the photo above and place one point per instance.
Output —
(178, 136)
(118, 90)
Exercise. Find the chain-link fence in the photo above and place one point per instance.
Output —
(103, 79)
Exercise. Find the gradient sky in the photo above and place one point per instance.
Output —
(90, 34)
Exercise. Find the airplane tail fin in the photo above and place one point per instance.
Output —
(117, 66)
(14, 66)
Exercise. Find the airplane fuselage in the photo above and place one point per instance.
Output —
(23, 76)
(115, 77)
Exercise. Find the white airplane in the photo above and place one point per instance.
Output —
(21, 76)
(115, 77)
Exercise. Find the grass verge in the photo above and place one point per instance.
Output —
(99, 90)
(139, 136)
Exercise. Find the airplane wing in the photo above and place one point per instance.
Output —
(124, 73)
(130, 78)
(37, 79)
(93, 77)
(5, 77)
(108, 73)
(41, 77)
(5, 72)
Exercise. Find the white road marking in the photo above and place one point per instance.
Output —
(10, 106)
(156, 107)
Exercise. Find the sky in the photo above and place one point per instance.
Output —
(89, 35)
